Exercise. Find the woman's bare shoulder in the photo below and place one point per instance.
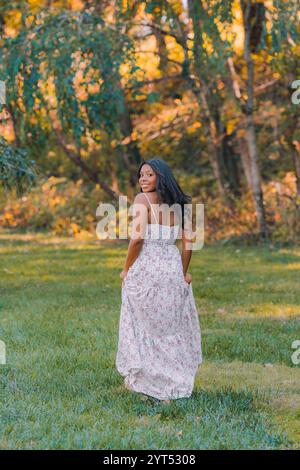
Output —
(140, 199)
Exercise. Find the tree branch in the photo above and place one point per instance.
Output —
(76, 158)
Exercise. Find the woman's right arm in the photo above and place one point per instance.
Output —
(134, 249)
(140, 215)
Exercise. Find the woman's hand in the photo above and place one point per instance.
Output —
(188, 278)
(123, 274)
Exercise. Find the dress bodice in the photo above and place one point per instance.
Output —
(158, 234)
(161, 234)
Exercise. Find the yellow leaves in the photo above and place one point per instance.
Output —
(52, 181)
(124, 70)
(177, 6)
(9, 216)
(207, 42)
(193, 127)
(231, 125)
(134, 135)
(55, 201)
(130, 138)
(60, 225)
(12, 22)
(60, 206)
(84, 153)
(75, 228)
(76, 5)
(241, 133)
(84, 235)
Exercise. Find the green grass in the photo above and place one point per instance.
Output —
(59, 308)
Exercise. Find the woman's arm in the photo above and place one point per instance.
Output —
(140, 219)
(186, 253)
(134, 249)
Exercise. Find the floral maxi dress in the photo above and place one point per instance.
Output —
(159, 345)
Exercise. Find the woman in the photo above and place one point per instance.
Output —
(159, 347)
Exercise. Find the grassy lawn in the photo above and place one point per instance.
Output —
(59, 313)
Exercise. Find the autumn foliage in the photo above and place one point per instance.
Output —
(94, 88)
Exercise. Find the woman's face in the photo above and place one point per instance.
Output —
(147, 178)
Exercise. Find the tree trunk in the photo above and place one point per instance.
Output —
(2, 25)
(246, 162)
(132, 156)
(231, 164)
(255, 177)
(162, 51)
(250, 127)
(204, 96)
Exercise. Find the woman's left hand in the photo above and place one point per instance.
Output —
(123, 274)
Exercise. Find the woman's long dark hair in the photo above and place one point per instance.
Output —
(168, 190)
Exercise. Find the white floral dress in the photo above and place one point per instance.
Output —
(159, 345)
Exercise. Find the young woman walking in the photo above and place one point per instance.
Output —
(159, 345)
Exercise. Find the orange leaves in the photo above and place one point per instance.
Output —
(224, 222)
(60, 206)
(68, 208)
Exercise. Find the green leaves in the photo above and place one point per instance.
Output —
(153, 97)
(15, 169)
(283, 22)
(81, 56)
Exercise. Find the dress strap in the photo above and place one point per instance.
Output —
(151, 206)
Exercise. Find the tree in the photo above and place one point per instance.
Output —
(63, 83)
(249, 120)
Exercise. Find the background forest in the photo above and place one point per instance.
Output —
(95, 87)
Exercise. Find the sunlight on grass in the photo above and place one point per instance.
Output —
(270, 310)
(293, 267)
(277, 386)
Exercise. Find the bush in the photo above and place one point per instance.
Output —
(56, 205)
(68, 208)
